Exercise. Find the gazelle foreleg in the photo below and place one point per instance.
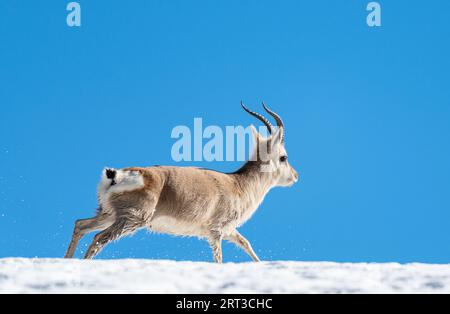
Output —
(243, 243)
(215, 241)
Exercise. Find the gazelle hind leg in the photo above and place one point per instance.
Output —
(83, 227)
(243, 243)
(121, 227)
(127, 221)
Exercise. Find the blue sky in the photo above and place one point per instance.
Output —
(367, 113)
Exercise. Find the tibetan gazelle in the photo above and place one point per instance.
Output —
(189, 201)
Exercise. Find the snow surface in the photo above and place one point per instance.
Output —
(21, 275)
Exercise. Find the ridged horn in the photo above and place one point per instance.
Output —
(259, 117)
(277, 118)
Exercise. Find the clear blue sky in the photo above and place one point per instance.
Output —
(367, 113)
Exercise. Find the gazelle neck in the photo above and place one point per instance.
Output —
(253, 183)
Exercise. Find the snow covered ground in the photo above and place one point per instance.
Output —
(20, 275)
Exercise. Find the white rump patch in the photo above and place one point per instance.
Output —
(124, 181)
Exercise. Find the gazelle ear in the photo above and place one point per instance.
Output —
(277, 137)
(254, 142)
(255, 133)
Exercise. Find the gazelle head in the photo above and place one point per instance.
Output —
(271, 154)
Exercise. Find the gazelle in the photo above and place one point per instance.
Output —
(188, 201)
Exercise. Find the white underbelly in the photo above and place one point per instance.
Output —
(170, 225)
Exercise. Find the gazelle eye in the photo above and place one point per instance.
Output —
(283, 158)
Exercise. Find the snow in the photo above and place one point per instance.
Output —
(21, 275)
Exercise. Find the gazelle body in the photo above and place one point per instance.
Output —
(188, 201)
